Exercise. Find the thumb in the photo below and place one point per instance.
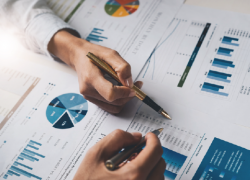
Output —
(121, 67)
(116, 141)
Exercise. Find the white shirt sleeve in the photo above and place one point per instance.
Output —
(35, 21)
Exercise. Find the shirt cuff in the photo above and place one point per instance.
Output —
(41, 29)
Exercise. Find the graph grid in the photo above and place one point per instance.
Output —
(19, 167)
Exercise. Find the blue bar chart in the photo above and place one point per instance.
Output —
(219, 76)
(95, 35)
(230, 41)
(29, 154)
(224, 64)
(225, 51)
(174, 162)
(224, 160)
(213, 88)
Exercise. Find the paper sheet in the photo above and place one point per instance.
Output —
(133, 28)
(51, 127)
(203, 62)
(241, 6)
(196, 145)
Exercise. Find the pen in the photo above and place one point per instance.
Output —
(139, 93)
(115, 161)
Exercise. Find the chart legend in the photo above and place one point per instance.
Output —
(121, 8)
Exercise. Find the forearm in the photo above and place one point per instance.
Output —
(64, 45)
(36, 22)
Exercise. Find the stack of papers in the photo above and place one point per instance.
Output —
(194, 62)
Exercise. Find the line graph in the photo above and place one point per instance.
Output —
(158, 46)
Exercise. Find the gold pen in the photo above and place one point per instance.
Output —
(139, 93)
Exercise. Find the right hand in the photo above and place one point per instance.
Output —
(148, 165)
(93, 86)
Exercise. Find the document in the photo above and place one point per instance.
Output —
(131, 27)
(46, 125)
(202, 61)
(195, 145)
(65, 9)
(241, 6)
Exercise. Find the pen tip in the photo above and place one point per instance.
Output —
(160, 130)
(165, 114)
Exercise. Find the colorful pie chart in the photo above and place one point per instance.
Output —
(121, 8)
(65, 111)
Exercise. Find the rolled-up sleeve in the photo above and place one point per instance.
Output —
(35, 21)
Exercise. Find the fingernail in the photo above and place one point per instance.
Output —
(132, 93)
(137, 135)
(129, 82)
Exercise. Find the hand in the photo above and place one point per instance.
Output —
(93, 86)
(148, 165)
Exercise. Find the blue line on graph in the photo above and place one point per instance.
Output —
(192, 157)
(153, 53)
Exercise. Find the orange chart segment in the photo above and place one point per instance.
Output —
(121, 8)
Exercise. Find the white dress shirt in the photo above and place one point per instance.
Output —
(35, 21)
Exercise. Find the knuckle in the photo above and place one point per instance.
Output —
(159, 150)
(137, 174)
(163, 163)
(110, 96)
(119, 102)
(83, 89)
(114, 53)
(126, 67)
(118, 133)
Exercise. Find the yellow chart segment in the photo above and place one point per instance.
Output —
(121, 8)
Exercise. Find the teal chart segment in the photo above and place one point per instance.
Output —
(67, 110)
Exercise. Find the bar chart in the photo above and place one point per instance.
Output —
(213, 88)
(220, 63)
(230, 41)
(95, 35)
(225, 51)
(219, 76)
(174, 162)
(225, 66)
(29, 154)
(224, 160)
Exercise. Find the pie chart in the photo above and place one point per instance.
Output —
(66, 110)
(121, 8)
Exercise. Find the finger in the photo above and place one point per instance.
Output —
(92, 94)
(158, 172)
(121, 67)
(149, 156)
(111, 92)
(105, 106)
(116, 141)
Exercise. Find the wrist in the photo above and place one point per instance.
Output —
(66, 46)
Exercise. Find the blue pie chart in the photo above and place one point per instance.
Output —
(66, 110)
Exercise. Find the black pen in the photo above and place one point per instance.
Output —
(115, 161)
(139, 93)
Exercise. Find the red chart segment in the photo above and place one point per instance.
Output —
(121, 8)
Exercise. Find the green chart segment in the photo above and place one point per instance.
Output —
(65, 111)
(194, 54)
(121, 8)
